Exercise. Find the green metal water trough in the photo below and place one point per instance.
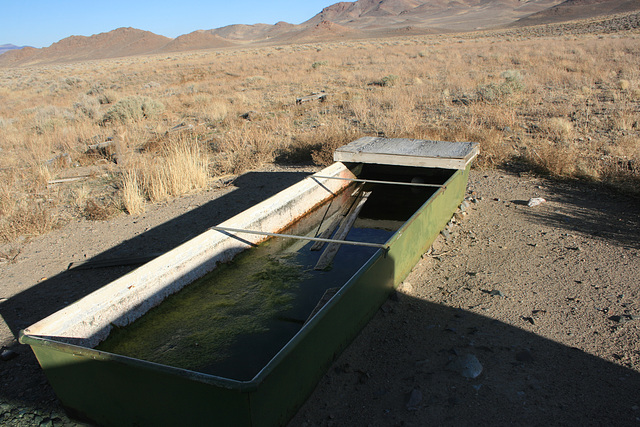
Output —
(112, 389)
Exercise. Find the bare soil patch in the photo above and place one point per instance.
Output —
(546, 299)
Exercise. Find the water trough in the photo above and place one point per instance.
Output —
(236, 326)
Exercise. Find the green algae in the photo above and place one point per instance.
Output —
(197, 326)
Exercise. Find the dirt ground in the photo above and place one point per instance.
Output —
(519, 316)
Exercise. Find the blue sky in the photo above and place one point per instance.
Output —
(39, 23)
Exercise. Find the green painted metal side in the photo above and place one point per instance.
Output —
(417, 234)
(117, 391)
(110, 392)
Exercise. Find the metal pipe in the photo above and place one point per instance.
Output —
(373, 181)
(293, 236)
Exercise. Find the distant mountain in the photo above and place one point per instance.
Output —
(324, 30)
(197, 40)
(113, 44)
(578, 9)
(444, 15)
(7, 47)
(344, 20)
(254, 32)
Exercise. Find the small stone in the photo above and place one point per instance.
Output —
(466, 365)
(536, 201)
(446, 234)
(407, 288)
(415, 398)
(7, 355)
(496, 293)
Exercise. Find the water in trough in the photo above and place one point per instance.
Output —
(232, 321)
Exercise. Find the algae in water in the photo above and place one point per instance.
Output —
(198, 325)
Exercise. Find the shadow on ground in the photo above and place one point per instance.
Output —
(526, 379)
(583, 210)
(592, 209)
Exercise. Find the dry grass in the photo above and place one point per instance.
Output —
(132, 197)
(568, 106)
(177, 168)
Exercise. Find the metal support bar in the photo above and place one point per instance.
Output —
(293, 236)
(373, 181)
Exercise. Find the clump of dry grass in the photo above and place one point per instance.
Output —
(27, 219)
(178, 168)
(100, 210)
(132, 196)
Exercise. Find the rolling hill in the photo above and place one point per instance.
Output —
(343, 20)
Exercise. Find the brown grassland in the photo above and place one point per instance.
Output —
(567, 105)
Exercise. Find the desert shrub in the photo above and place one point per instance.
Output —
(100, 210)
(623, 84)
(107, 97)
(73, 81)
(25, 218)
(389, 80)
(558, 128)
(626, 147)
(50, 118)
(87, 106)
(494, 91)
(512, 82)
(548, 157)
(4, 123)
(319, 64)
(215, 111)
(133, 108)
